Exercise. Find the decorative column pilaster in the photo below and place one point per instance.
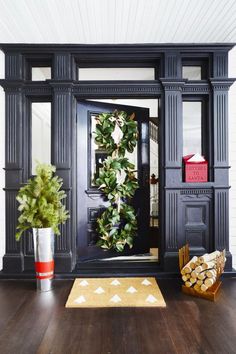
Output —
(220, 89)
(13, 260)
(63, 127)
(173, 147)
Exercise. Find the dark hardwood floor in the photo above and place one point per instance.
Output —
(32, 322)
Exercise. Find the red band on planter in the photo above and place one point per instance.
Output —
(44, 267)
(50, 276)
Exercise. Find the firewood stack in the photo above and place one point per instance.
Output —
(200, 273)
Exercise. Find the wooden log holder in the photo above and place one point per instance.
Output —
(212, 292)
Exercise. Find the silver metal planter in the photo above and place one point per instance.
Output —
(44, 257)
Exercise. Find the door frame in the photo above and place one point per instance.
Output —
(64, 89)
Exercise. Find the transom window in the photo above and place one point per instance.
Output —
(192, 72)
(99, 74)
(41, 73)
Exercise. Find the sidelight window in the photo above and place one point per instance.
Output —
(192, 127)
(40, 133)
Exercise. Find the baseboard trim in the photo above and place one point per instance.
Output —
(87, 273)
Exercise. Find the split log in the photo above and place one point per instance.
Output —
(197, 287)
(209, 256)
(202, 275)
(193, 264)
(185, 277)
(211, 273)
(199, 269)
(194, 274)
(188, 284)
(204, 287)
(209, 282)
(187, 268)
(208, 265)
(199, 282)
(198, 263)
(193, 280)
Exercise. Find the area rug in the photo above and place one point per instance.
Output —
(115, 292)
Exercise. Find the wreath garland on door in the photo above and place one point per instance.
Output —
(117, 133)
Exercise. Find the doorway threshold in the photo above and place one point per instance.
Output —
(119, 268)
(140, 258)
(143, 257)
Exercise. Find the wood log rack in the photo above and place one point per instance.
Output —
(212, 292)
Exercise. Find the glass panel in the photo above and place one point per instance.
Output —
(98, 155)
(116, 74)
(41, 133)
(153, 129)
(192, 117)
(151, 104)
(192, 72)
(2, 65)
(41, 74)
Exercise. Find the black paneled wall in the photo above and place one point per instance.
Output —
(189, 212)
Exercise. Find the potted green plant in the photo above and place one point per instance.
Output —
(42, 210)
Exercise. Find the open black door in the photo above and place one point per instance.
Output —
(90, 201)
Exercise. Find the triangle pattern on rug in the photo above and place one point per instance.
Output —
(80, 300)
(115, 292)
(115, 298)
(151, 299)
(99, 290)
(146, 282)
(84, 283)
(115, 282)
(131, 290)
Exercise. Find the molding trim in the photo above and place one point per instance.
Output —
(172, 84)
(117, 49)
(196, 191)
(171, 220)
(222, 84)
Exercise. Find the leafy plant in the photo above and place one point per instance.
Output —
(40, 202)
(117, 133)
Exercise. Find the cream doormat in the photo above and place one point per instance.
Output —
(115, 292)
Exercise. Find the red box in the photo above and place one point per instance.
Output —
(195, 172)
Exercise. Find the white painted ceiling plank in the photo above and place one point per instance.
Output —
(117, 21)
(227, 20)
(169, 20)
(181, 10)
(215, 21)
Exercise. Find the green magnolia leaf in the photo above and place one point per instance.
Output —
(119, 247)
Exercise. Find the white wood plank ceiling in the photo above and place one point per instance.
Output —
(117, 21)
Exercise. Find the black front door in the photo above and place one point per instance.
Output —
(90, 201)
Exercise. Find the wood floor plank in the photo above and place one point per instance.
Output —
(11, 299)
(150, 325)
(39, 323)
(29, 322)
(180, 337)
